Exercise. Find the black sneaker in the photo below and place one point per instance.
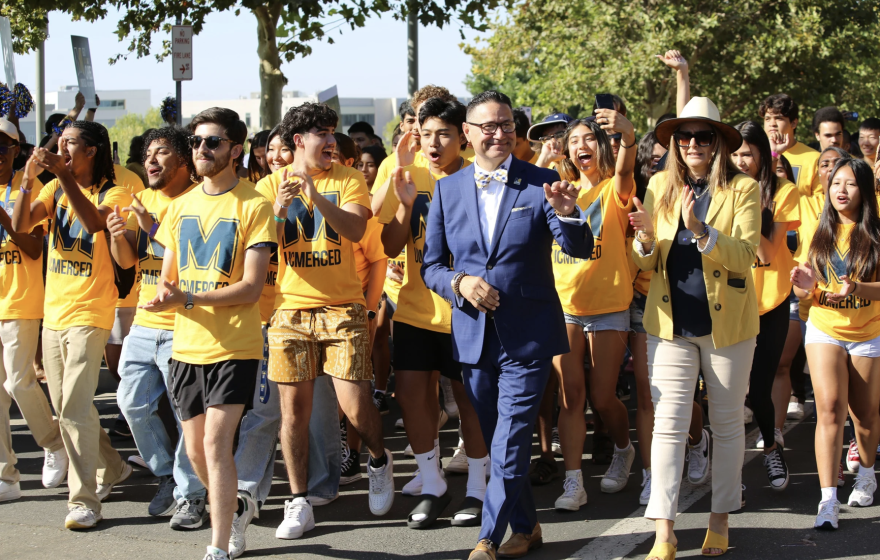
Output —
(381, 402)
(120, 428)
(777, 470)
(351, 467)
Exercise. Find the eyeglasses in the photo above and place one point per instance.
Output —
(5, 148)
(212, 142)
(489, 128)
(704, 138)
(556, 136)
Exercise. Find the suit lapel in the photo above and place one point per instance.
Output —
(715, 205)
(508, 200)
(468, 187)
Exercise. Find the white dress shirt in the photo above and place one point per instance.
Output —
(489, 202)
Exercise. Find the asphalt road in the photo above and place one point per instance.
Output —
(772, 525)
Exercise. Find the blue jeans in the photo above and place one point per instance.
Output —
(143, 371)
(258, 438)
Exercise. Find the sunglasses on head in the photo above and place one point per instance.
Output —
(212, 142)
(704, 138)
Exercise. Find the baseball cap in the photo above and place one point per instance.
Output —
(536, 129)
(8, 129)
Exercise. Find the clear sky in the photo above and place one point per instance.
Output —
(366, 62)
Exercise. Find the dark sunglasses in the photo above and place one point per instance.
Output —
(704, 138)
(212, 142)
(6, 148)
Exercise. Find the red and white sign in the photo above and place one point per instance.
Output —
(181, 52)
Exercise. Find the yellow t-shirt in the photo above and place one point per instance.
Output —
(269, 294)
(150, 256)
(392, 287)
(416, 304)
(21, 277)
(209, 236)
(317, 266)
(368, 251)
(80, 279)
(602, 283)
(804, 162)
(810, 210)
(854, 319)
(132, 182)
(773, 279)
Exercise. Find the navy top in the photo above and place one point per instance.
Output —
(690, 303)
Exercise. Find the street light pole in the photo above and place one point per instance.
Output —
(179, 91)
(412, 50)
(40, 101)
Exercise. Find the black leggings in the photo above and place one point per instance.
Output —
(768, 352)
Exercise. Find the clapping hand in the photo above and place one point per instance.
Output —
(847, 287)
(288, 189)
(406, 149)
(145, 221)
(168, 296)
(115, 222)
(404, 187)
(688, 201)
(804, 277)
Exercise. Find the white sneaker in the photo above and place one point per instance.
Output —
(617, 475)
(81, 518)
(829, 512)
(795, 410)
(398, 424)
(449, 403)
(645, 496)
(298, 518)
(698, 460)
(55, 468)
(863, 491)
(573, 494)
(214, 556)
(459, 461)
(9, 492)
(748, 415)
(777, 435)
(237, 541)
(444, 418)
(318, 501)
(555, 445)
(105, 489)
(414, 486)
(381, 486)
(408, 452)
(137, 461)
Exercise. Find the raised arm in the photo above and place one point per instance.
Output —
(612, 122)
(396, 233)
(93, 219)
(674, 60)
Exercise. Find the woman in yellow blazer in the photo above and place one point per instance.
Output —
(698, 231)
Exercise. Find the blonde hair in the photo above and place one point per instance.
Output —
(721, 169)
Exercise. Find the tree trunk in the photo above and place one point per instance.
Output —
(272, 80)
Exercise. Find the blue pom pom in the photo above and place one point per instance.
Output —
(168, 110)
(23, 101)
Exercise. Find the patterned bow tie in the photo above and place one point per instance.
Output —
(482, 177)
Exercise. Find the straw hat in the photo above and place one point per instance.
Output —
(699, 109)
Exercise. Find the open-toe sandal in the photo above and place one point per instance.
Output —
(714, 540)
(663, 550)
(431, 507)
(470, 506)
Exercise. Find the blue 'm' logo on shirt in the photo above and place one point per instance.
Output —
(216, 250)
(309, 221)
(69, 235)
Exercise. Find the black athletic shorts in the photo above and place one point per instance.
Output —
(196, 387)
(417, 349)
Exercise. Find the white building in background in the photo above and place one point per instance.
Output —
(375, 111)
(115, 104)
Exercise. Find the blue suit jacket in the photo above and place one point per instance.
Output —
(529, 319)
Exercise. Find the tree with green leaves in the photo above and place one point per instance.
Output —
(556, 54)
(285, 28)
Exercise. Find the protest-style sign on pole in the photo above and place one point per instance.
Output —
(6, 48)
(82, 59)
(331, 98)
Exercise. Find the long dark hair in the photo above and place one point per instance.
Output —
(604, 153)
(95, 134)
(864, 241)
(644, 163)
(754, 134)
(255, 170)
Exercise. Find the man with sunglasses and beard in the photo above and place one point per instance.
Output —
(144, 366)
(218, 239)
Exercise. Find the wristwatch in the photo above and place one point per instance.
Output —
(371, 314)
(189, 301)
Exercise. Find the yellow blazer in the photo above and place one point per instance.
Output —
(736, 214)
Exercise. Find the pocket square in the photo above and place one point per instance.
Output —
(521, 208)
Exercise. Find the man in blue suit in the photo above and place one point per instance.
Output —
(489, 235)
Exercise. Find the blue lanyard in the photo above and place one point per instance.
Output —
(6, 204)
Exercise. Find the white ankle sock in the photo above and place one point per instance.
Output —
(432, 482)
(476, 483)
(866, 471)
(619, 450)
(829, 493)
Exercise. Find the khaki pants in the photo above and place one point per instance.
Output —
(72, 359)
(18, 344)
(673, 367)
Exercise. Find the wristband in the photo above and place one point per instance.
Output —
(573, 214)
(628, 147)
(702, 235)
(23, 190)
(456, 283)
(279, 220)
(154, 229)
(775, 155)
(646, 239)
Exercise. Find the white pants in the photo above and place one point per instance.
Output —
(673, 367)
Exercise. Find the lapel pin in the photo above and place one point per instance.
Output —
(517, 181)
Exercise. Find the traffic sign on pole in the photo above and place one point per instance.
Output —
(181, 53)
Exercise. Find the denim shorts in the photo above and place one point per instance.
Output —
(618, 321)
(637, 312)
(868, 348)
(793, 307)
